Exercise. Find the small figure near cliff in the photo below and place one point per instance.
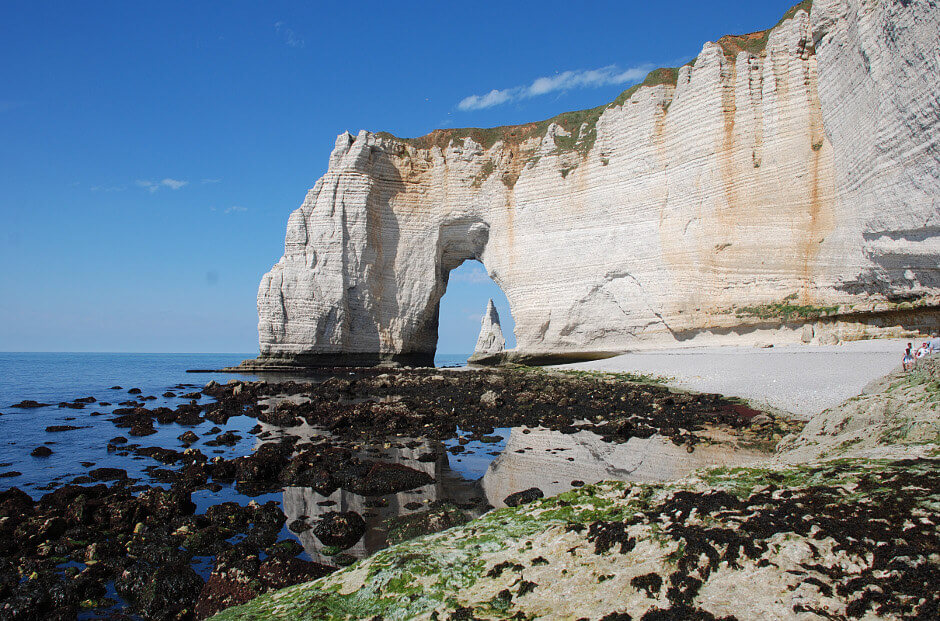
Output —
(491, 340)
(908, 361)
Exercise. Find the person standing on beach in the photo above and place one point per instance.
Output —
(935, 343)
(908, 361)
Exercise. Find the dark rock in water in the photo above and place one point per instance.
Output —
(108, 474)
(278, 572)
(382, 479)
(29, 403)
(340, 529)
(239, 577)
(298, 526)
(191, 395)
(134, 391)
(169, 395)
(117, 388)
(188, 438)
(118, 440)
(288, 548)
(85, 400)
(41, 451)
(9, 474)
(163, 455)
(160, 591)
(229, 438)
(142, 428)
(74, 406)
(15, 502)
(57, 428)
(166, 504)
(439, 516)
(523, 497)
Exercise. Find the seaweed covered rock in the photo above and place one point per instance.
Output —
(846, 539)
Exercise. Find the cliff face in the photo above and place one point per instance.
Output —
(779, 178)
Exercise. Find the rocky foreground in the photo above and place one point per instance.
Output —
(106, 543)
(837, 538)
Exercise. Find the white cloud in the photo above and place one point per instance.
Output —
(236, 209)
(564, 81)
(291, 39)
(173, 184)
(475, 274)
(493, 98)
(153, 186)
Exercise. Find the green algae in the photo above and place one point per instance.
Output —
(429, 573)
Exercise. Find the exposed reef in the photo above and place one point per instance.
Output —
(849, 537)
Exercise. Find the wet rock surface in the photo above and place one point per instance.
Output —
(340, 529)
(147, 538)
(849, 539)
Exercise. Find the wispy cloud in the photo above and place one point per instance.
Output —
(153, 186)
(236, 209)
(291, 38)
(564, 81)
(475, 274)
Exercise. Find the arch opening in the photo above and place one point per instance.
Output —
(468, 289)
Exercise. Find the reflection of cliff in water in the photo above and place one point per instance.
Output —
(550, 461)
(305, 504)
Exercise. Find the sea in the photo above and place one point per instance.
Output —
(55, 378)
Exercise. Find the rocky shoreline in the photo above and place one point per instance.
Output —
(838, 537)
(105, 543)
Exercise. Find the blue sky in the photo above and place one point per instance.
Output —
(150, 153)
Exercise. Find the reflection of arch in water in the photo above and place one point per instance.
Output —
(303, 501)
(551, 460)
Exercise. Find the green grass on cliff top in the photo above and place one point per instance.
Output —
(753, 43)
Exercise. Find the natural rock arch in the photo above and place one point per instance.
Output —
(779, 180)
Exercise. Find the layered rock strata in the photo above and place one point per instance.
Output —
(782, 178)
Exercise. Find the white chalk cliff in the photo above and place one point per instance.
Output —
(491, 340)
(783, 177)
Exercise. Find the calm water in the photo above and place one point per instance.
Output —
(517, 459)
(56, 377)
(62, 377)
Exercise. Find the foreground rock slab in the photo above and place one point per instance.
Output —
(852, 538)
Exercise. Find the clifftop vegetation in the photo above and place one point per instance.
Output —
(582, 140)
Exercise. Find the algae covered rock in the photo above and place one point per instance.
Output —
(437, 517)
(834, 538)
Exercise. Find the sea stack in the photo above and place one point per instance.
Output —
(491, 342)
